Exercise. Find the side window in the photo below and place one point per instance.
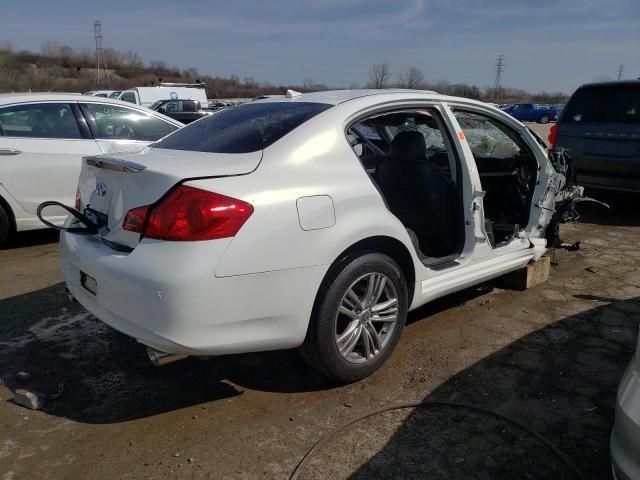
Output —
(129, 97)
(171, 106)
(39, 120)
(113, 122)
(188, 106)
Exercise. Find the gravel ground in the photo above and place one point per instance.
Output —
(549, 358)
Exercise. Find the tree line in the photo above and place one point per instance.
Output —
(61, 68)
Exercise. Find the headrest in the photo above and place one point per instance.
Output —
(407, 146)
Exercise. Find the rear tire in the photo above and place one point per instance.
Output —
(358, 317)
(5, 226)
(545, 119)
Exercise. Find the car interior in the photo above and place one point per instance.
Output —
(508, 172)
(410, 160)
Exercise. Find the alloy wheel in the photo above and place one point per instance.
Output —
(366, 318)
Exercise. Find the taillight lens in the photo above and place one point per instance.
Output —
(189, 214)
(553, 135)
(135, 218)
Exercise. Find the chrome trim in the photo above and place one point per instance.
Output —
(9, 151)
(109, 163)
(159, 358)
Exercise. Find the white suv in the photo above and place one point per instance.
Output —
(313, 221)
(43, 138)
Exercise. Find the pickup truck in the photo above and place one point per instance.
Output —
(531, 112)
(185, 111)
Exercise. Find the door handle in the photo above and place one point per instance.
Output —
(10, 151)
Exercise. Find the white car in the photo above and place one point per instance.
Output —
(625, 438)
(43, 138)
(104, 93)
(313, 221)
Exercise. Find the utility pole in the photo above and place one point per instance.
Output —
(620, 71)
(499, 71)
(102, 73)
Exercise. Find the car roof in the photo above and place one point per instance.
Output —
(11, 98)
(6, 98)
(373, 96)
(335, 97)
(612, 83)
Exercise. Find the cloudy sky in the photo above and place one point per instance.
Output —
(548, 44)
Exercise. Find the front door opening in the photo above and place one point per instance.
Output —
(508, 172)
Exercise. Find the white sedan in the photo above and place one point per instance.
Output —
(313, 221)
(43, 138)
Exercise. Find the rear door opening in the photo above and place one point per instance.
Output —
(409, 157)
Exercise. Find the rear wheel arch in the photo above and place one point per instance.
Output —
(389, 246)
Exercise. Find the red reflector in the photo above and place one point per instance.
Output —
(134, 219)
(189, 214)
(553, 135)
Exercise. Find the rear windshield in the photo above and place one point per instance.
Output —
(609, 104)
(245, 128)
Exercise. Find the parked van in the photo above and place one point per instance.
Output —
(146, 96)
(600, 126)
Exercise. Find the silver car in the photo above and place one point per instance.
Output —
(625, 439)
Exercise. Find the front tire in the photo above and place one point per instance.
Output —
(358, 318)
(545, 119)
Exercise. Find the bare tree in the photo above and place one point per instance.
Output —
(379, 75)
(412, 77)
(191, 74)
(50, 49)
(132, 59)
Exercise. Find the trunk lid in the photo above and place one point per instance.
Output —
(111, 185)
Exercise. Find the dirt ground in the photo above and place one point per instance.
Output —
(549, 358)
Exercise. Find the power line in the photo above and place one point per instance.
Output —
(102, 73)
(620, 71)
(500, 63)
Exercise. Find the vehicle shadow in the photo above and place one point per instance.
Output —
(91, 373)
(560, 381)
(32, 238)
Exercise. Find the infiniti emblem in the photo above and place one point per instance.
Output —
(101, 189)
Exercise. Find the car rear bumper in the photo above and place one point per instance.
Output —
(166, 296)
(625, 438)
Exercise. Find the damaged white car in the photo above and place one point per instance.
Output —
(314, 221)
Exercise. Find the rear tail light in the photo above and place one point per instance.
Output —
(553, 135)
(135, 218)
(189, 214)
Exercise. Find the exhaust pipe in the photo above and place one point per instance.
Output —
(159, 358)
